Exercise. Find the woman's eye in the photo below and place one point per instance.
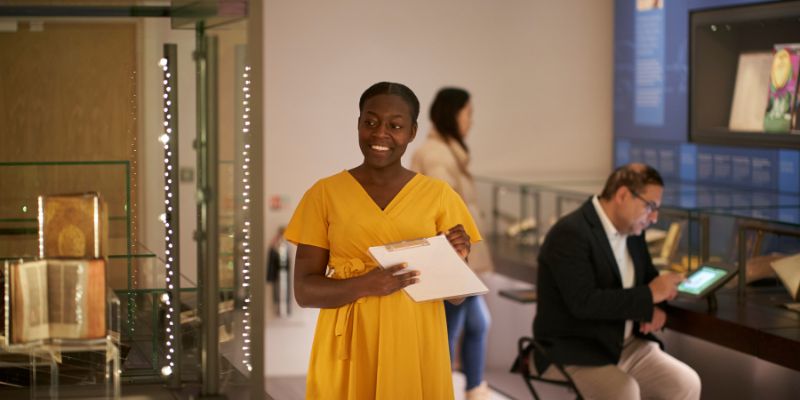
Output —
(370, 123)
(395, 126)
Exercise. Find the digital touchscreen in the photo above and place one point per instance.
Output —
(704, 280)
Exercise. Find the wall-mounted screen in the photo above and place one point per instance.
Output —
(743, 68)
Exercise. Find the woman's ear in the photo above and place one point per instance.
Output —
(413, 132)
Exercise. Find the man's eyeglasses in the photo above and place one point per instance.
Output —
(649, 204)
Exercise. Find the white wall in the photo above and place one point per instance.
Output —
(540, 73)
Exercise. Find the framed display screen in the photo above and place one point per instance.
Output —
(743, 71)
(704, 280)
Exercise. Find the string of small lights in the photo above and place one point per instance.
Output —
(246, 139)
(168, 139)
(130, 210)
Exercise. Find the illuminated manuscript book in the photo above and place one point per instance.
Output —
(56, 299)
(73, 226)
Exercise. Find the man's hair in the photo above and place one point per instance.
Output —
(392, 88)
(444, 113)
(634, 176)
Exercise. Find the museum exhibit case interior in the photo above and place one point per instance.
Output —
(732, 62)
(148, 105)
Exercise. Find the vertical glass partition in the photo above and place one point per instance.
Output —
(235, 178)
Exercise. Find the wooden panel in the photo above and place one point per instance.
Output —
(67, 93)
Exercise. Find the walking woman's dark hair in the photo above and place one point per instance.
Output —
(444, 113)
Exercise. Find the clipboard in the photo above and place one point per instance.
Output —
(443, 274)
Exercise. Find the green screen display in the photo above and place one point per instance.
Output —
(701, 279)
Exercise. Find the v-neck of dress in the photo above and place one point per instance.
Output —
(391, 204)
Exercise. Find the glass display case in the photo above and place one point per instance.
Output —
(521, 213)
(697, 224)
(216, 86)
(750, 240)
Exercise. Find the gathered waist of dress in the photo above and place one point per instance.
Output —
(344, 268)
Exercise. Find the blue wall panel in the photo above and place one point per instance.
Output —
(665, 144)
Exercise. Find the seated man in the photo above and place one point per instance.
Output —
(598, 296)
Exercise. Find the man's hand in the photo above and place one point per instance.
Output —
(657, 323)
(665, 286)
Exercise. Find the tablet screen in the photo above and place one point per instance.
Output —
(701, 280)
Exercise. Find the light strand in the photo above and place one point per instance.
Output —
(167, 138)
(130, 208)
(245, 212)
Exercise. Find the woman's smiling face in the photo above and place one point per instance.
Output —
(385, 128)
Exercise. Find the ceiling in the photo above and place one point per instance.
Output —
(184, 13)
(77, 3)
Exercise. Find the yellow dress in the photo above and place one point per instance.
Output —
(379, 347)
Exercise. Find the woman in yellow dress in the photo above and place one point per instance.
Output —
(373, 341)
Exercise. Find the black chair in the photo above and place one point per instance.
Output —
(527, 350)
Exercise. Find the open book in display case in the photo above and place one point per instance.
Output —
(59, 314)
(56, 299)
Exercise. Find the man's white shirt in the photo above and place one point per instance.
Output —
(619, 246)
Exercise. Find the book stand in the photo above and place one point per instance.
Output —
(43, 353)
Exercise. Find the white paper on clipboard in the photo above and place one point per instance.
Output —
(443, 274)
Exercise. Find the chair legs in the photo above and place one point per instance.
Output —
(527, 349)
(529, 383)
(530, 387)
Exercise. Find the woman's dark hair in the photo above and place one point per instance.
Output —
(634, 176)
(444, 113)
(397, 89)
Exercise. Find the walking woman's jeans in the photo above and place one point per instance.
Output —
(472, 318)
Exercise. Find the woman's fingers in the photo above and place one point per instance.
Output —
(409, 278)
(398, 277)
(459, 239)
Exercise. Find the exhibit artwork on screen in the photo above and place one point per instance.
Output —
(781, 111)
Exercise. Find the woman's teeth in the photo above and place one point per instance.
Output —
(379, 148)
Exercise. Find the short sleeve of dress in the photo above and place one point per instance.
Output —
(453, 211)
(309, 223)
